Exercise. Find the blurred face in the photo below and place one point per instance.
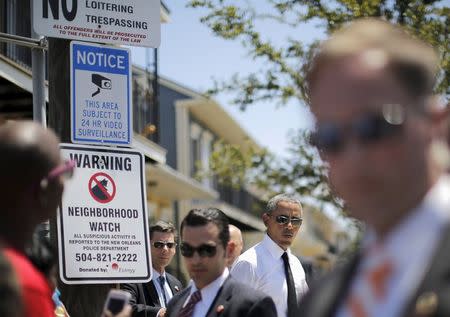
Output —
(56, 177)
(208, 267)
(378, 179)
(283, 234)
(161, 253)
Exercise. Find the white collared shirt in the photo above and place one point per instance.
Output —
(410, 247)
(262, 268)
(167, 290)
(208, 292)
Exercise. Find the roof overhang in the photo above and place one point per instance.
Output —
(218, 120)
(238, 217)
(169, 184)
(149, 148)
(18, 75)
(16, 90)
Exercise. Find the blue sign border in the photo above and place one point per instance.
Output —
(75, 45)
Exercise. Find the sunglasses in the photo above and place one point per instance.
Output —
(64, 170)
(204, 250)
(162, 244)
(369, 128)
(284, 220)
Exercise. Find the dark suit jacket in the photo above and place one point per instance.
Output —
(431, 299)
(144, 297)
(233, 299)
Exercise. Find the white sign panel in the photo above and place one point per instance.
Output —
(130, 22)
(102, 222)
(101, 94)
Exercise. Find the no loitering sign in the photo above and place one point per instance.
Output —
(131, 22)
(102, 220)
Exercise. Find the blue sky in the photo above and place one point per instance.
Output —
(191, 55)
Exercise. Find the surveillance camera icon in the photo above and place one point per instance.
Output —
(101, 82)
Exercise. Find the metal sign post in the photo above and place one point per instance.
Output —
(38, 78)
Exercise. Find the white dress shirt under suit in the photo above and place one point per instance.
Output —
(167, 290)
(410, 247)
(262, 268)
(208, 292)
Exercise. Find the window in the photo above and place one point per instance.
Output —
(15, 17)
(195, 148)
(206, 149)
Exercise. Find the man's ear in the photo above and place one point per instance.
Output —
(231, 246)
(265, 218)
(438, 110)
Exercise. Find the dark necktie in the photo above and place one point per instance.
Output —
(188, 310)
(162, 281)
(292, 296)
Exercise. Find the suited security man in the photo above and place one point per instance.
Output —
(378, 127)
(150, 299)
(213, 292)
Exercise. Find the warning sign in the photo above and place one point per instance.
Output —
(102, 187)
(102, 221)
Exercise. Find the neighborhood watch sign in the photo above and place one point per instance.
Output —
(131, 22)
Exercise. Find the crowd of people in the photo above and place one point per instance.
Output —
(381, 132)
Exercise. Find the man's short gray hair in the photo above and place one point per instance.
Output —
(272, 204)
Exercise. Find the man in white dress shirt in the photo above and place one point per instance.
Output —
(270, 266)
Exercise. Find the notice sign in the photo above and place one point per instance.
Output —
(100, 94)
(102, 221)
(131, 22)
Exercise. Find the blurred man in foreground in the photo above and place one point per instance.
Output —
(378, 128)
(32, 182)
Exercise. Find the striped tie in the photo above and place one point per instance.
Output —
(376, 278)
(188, 310)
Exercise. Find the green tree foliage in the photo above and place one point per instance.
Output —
(284, 66)
(282, 76)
